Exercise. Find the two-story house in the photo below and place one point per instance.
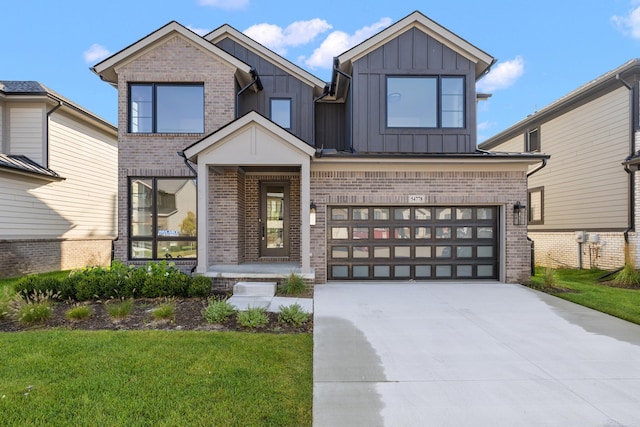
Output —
(582, 206)
(373, 175)
(58, 182)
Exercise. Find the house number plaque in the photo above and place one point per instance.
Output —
(416, 198)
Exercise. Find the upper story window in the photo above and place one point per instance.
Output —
(536, 206)
(533, 140)
(425, 102)
(281, 112)
(166, 108)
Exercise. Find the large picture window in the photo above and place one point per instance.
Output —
(425, 102)
(166, 108)
(162, 220)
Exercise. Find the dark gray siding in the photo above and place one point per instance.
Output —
(331, 126)
(277, 84)
(411, 53)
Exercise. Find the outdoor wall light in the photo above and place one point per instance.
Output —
(519, 213)
(312, 214)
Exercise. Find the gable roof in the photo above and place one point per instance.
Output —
(251, 118)
(25, 166)
(106, 69)
(611, 79)
(482, 60)
(247, 42)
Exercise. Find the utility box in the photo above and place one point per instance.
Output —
(580, 236)
(594, 238)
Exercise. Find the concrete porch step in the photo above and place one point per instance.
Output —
(255, 289)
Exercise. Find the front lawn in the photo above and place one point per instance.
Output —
(584, 288)
(159, 378)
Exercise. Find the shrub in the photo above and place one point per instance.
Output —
(29, 285)
(200, 286)
(164, 311)
(549, 277)
(164, 280)
(33, 308)
(253, 317)
(293, 315)
(294, 285)
(217, 311)
(120, 309)
(6, 295)
(628, 276)
(79, 312)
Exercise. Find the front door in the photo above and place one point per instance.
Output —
(274, 219)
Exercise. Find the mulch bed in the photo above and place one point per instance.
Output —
(187, 317)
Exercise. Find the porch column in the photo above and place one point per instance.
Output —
(203, 203)
(305, 229)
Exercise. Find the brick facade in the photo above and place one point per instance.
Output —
(155, 155)
(365, 188)
(20, 257)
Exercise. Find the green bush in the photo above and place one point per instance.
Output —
(200, 286)
(294, 285)
(28, 285)
(6, 295)
(217, 311)
(293, 315)
(253, 317)
(165, 310)
(79, 312)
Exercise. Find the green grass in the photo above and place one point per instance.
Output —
(160, 378)
(587, 291)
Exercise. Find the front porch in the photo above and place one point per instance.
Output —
(258, 271)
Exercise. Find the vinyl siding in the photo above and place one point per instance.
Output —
(26, 132)
(81, 206)
(2, 148)
(585, 185)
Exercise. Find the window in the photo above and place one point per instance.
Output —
(536, 204)
(533, 140)
(166, 108)
(425, 102)
(281, 112)
(162, 218)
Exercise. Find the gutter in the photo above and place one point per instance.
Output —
(632, 204)
(537, 168)
(46, 142)
(256, 81)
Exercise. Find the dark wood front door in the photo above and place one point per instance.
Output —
(274, 219)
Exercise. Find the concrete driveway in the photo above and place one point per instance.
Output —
(469, 354)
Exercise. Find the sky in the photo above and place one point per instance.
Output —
(545, 48)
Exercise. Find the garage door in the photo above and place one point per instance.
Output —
(409, 242)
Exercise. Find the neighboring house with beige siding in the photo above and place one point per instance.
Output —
(374, 175)
(58, 182)
(583, 205)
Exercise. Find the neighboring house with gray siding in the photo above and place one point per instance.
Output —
(374, 175)
(58, 182)
(583, 205)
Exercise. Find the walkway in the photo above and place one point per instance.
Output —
(469, 354)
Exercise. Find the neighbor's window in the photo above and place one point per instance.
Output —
(162, 218)
(533, 140)
(166, 108)
(425, 102)
(281, 112)
(536, 204)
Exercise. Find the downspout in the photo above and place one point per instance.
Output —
(533, 244)
(256, 81)
(195, 174)
(46, 142)
(337, 70)
(325, 92)
(632, 207)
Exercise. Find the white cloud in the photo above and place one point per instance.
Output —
(338, 42)
(199, 31)
(225, 4)
(502, 75)
(485, 125)
(630, 23)
(279, 39)
(95, 53)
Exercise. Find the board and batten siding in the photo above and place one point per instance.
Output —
(277, 83)
(412, 53)
(81, 206)
(26, 132)
(585, 185)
